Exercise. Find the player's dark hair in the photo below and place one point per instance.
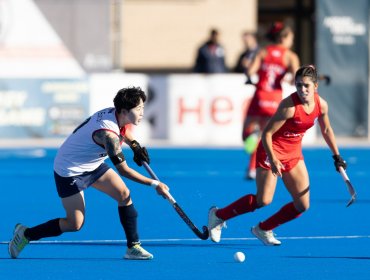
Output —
(307, 71)
(277, 31)
(128, 98)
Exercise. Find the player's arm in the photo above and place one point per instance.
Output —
(285, 111)
(255, 65)
(256, 62)
(111, 143)
(328, 134)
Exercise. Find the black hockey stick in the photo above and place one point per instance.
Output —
(202, 235)
(350, 188)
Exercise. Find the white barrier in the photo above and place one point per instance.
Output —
(185, 110)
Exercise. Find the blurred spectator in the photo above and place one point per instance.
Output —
(250, 51)
(211, 56)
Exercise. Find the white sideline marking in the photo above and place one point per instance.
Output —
(119, 241)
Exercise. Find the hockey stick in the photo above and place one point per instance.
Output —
(202, 235)
(350, 188)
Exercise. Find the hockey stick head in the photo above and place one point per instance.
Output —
(352, 192)
(350, 188)
(205, 233)
(202, 235)
(352, 200)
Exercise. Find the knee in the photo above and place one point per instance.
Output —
(75, 225)
(302, 207)
(124, 197)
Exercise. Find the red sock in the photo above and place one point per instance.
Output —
(243, 205)
(287, 213)
(252, 161)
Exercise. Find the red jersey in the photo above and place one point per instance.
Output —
(272, 69)
(269, 91)
(287, 141)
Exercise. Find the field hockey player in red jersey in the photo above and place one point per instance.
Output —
(79, 164)
(279, 154)
(272, 64)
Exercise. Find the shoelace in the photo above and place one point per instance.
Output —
(138, 251)
(20, 242)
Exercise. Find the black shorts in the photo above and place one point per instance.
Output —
(68, 186)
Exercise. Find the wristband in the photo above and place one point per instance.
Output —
(154, 184)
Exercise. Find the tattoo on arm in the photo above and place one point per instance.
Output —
(110, 141)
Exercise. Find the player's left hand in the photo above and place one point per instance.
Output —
(140, 153)
(162, 189)
(339, 162)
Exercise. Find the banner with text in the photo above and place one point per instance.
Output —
(342, 52)
(41, 108)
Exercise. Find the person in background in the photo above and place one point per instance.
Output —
(250, 50)
(271, 64)
(79, 164)
(279, 154)
(211, 56)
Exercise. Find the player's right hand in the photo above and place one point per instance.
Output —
(276, 168)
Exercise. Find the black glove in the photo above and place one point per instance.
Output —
(140, 153)
(339, 162)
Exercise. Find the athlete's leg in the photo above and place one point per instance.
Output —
(75, 208)
(266, 185)
(297, 183)
(112, 184)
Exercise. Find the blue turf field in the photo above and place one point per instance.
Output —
(330, 241)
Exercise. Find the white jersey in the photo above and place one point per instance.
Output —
(80, 153)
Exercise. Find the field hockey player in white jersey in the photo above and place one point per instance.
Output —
(79, 164)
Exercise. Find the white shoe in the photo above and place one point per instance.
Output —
(137, 253)
(18, 242)
(215, 225)
(266, 236)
